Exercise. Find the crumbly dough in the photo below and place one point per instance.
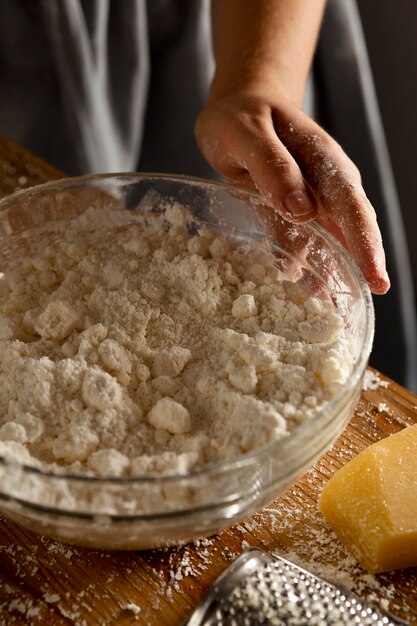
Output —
(142, 344)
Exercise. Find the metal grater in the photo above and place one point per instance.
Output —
(260, 588)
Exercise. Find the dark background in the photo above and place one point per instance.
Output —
(391, 35)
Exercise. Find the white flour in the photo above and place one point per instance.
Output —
(130, 348)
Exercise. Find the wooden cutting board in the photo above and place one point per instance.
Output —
(43, 582)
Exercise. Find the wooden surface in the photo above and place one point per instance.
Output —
(47, 583)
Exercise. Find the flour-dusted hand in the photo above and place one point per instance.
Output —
(273, 147)
(254, 133)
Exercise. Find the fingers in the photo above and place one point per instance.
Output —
(356, 219)
(274, 171)
(343, 208)
(298, 168)
(249, 153)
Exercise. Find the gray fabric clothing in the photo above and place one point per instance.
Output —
(106, 85)
(116, 85)
(347, 107)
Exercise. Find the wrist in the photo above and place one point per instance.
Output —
(266, 84)
(264, 88)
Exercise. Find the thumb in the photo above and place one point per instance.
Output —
(245, 149)
(274, 172)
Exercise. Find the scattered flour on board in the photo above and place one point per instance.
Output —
(383, 407)
(372, 381)
(51, 598)
(134, 608)
(149, 345)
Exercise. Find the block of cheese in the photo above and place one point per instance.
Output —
(371, 503)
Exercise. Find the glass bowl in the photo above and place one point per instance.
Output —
(140, 512)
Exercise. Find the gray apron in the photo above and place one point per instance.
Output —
(116, 85)
(347, 107)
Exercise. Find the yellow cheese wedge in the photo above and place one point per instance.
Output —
(371, 503)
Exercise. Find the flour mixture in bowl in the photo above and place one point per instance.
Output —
(170, 361)
(152, 344)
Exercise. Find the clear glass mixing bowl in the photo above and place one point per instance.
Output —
(151, 511)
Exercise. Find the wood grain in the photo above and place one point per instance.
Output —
(43, 582)
(20, 169)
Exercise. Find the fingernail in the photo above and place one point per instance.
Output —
(299, 204)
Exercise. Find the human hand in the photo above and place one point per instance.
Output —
(267, 144)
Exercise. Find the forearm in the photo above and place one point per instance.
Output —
(264, 43)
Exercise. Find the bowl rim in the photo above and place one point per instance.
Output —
(118, 178)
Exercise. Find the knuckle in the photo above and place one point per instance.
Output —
(277, 161)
